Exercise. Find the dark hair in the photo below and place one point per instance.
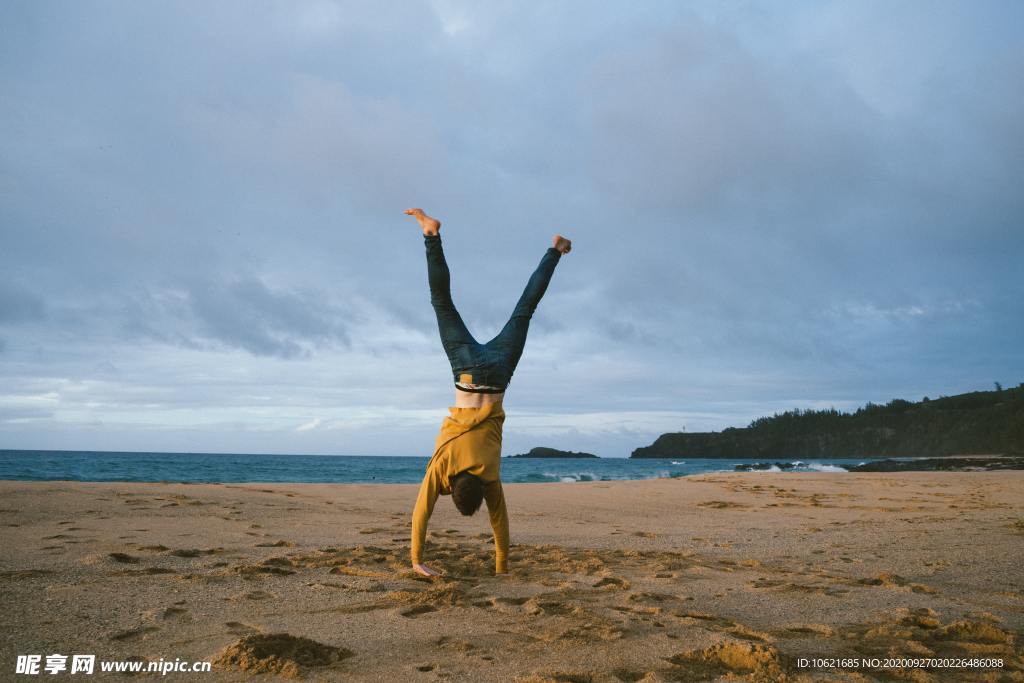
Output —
(467, 492)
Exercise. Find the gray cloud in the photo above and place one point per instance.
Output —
(18, 304)
(245, 313)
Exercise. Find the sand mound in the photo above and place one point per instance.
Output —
(279, 653)
(754, 661)
(886, 579)
(921, 632)
(440, 595)
(973, 631)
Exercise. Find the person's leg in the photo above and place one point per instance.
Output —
(510, 341)
(455, 337)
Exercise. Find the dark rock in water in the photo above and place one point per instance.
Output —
(756, 466)
(966, 464)
(542, 452)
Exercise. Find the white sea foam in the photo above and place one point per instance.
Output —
(817, 466)
(678, 462)
(573, 476)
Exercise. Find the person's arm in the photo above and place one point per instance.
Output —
(495, 497)
(430, 489)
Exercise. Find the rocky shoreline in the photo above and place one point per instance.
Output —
(970, 463)
(965, 463)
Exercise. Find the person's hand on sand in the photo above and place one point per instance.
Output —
(425, 570)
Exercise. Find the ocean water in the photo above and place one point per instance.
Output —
(350, 469)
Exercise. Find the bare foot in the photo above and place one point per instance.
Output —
(431, 226)
(561, 244)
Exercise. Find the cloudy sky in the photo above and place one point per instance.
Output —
(772, 205)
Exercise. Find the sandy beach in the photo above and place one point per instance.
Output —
(711, 577)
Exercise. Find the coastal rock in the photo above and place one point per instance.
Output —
(543, 452)
(977, 422)
(964, 464)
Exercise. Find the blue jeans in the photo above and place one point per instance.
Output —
(492, 363)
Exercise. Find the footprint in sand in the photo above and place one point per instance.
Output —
(558, 677)
(646, 596)
(164, 613)
(123, 558)
(511, 601)
(271, 565)
(797, 630)
(418, 610)
(502, 604)
(721, 504)
(133, 634)
(24, 573)
(889, 580)
(449, 643)
(537, 607)
(237, 628)
(258, 595)
(148, 571)
(195, 552)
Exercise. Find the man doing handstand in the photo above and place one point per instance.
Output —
(466, 463)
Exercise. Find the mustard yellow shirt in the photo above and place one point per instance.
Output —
(470, 441)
